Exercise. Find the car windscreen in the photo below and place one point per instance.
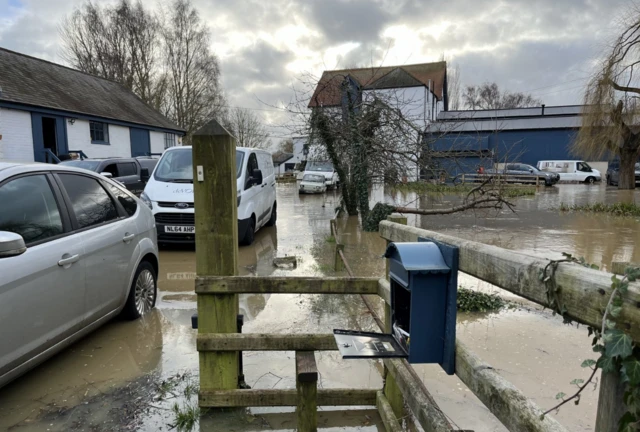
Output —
(319, 166)
(91, 165)
(313, 178)
(176, 166)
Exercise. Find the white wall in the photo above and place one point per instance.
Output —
(17, 138)
(157, 141)
(79, 138)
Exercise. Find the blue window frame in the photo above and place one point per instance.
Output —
(99, 133)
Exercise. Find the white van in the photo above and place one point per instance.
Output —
(568, 170)
(169, 194)
(324, 168)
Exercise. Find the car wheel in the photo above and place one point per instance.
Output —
(250, 233)
(143, 292)
(274, 215)
(590, 180)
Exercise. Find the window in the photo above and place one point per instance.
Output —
(169, 140)
(127, 169)
(252, 164)
(29, 208)
(99, 133)
(90, 202)
(125, 199)
(111, 169)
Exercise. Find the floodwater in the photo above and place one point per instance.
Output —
(129, 375)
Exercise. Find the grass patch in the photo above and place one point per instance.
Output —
(508, 191)
(330, 239)
(475, 301)
(186, 416)
(617, 209)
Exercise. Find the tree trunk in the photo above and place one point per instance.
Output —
(626, 175)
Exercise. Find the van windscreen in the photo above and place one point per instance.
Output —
(176, 166)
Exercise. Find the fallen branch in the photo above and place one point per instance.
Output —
(493, 202)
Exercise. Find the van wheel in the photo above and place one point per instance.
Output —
(143, 292)
(249, 234)
(590, 180)
(274, 215)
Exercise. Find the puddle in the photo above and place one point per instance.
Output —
(109, 380)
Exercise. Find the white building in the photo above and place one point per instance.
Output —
(48, 110)
(414, 94)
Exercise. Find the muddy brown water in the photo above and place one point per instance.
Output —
(128, 375)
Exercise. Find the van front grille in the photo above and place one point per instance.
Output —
(173, 204)
(175, 218)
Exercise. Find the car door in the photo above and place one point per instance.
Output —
(268, 184)
(129, 176)
(41, 291)
(253, 192)
(108, 237)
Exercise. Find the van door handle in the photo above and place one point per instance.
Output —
(68, 260)
(263, 185)
(128, 237)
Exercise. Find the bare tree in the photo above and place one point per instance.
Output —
(489, 96)
(194, 94)
(286, 145)
(118, 42)
(454, 87)
(610, 120)
(247, 128)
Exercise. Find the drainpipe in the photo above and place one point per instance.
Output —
(543, 109)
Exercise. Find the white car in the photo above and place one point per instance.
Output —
(76, 249)
(325, 169)
(169, 194)
(312, 183)
(575, 170)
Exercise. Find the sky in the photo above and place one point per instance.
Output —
(268, 47)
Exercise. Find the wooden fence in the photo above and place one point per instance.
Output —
(584, 293)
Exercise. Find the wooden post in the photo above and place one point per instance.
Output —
(611, 406)
(338, 265)
(391, 390)
(216, 223)
(307, 386)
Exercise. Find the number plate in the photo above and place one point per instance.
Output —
(180, 229)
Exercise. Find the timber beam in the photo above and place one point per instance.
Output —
(285, 285)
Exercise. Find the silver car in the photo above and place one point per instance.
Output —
(76, 249)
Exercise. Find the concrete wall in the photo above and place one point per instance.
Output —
(79, 138)
(17, 138)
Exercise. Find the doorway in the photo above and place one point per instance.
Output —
(49, 139)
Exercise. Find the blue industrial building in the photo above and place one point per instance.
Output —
(462, 141)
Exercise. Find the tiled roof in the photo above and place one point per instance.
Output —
(32, 81)
(328, 91)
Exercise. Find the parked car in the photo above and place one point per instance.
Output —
(324, 168)
(575, 170)
(313, 183)
(76, 249)
(613, 173)
(133, 173)
(526, 172)
(169, 194)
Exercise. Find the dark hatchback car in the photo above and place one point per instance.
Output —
(133, 173)
(524, 170)
(613, 173)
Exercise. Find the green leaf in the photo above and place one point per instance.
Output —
(615, 311)
(577, 382)
(607, 364)
(631, 371)
(610, 324)
(595, 267)
(624, 287)
(588, 363)
(598, 348)
(617, 343)
(628, 423)
(560, 395)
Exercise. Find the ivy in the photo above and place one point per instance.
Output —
(618, 353)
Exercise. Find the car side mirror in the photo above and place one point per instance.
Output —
(256, 177)
(106, 174)
(531, 171)
(144, 174)
(11, 244)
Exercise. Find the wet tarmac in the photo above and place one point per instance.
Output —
(129, 375)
